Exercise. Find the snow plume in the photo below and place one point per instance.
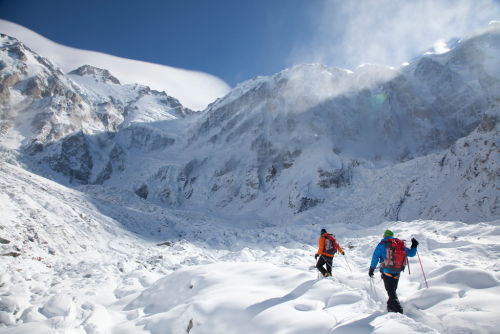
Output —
(195, 90)
(441, 47)
(351, 33)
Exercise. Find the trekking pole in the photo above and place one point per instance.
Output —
(408, 262)
(347, 262)
(372, 287)
(422, 270)
(316, 266)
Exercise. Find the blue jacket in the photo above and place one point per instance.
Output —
(380, 252)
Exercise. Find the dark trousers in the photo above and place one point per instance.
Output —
(391, 285)
(322, 261)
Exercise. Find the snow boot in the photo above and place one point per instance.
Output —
(389, 307)
(394, 306)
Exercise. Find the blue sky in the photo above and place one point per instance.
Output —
(237, 40)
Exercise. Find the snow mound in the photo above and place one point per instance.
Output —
(456, 300)
(260, 298)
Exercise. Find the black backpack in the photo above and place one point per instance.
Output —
(331, 245)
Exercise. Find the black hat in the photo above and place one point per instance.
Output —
(323, 231)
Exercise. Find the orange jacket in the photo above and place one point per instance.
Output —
(321, 250)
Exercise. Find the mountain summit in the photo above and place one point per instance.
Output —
(103, 75)
(357, 146)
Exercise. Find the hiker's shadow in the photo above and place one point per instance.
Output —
(255, 309)
(361, 326)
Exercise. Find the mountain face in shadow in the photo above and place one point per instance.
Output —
(377, 144)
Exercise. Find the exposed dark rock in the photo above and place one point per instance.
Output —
(143, 191)
(488, 123)
(118, 157)
(17, 50)
(13, 254)
(147, 138)
(4, 99)
(73, 97)
(214, 139)
(188, 193)
(290, 158)
(4, 128)
(34, 147)
(174, 104)
(9, 79)
(73, 159)
(162, 173)
(428, 69)
(4, 241)
(166, 243)
(105, 174)
(186, 171)
(271, 173)
(104, 75)
(33, 88)
(129, 109)
(307, 203)
(228, 167)
(338, 178)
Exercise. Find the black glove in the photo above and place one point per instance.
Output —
(370, 273)
(414, 243)
(343, 253)
(316, 256)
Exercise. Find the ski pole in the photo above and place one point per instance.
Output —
(347, 262)
(408, 262)
(422, 270)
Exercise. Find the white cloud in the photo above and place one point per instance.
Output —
(194, 90)
(389, 32)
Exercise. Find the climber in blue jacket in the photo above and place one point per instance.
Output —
(393, 261)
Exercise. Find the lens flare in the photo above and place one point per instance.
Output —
(380, 98)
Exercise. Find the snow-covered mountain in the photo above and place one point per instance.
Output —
(67, 121)
(309, 136)
(123, 211)
(314, 135)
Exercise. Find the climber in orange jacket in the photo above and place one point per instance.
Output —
(328, 246)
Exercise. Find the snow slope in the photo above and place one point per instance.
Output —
(194, 89)
(100, 261)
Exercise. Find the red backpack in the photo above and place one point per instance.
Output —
(331, 245)
(395, 258)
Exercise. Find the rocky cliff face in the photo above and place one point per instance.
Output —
(377, 144)
(310, 130)
(463, 183)
(69, 122)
